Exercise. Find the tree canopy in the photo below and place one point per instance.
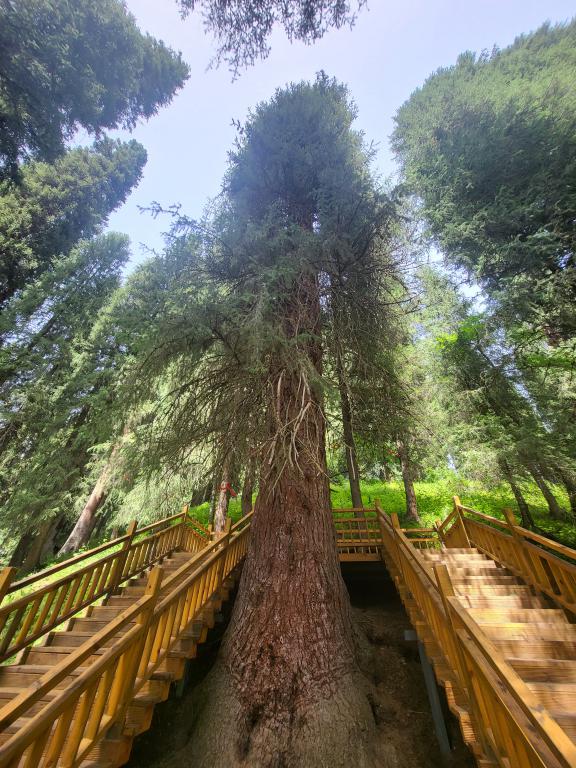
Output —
(66, 65)
(489, 147)
(242, 28)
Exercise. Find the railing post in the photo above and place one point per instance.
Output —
(6, 576)
(182, 537)
(396, 533)
(224, 541)
(122, 692)
(438, 528)
(379, 516)
(523, 558)
(121, 560)
(458, 511)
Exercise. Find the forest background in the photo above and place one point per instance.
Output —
(470, 387)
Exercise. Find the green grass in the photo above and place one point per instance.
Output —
(435, 501)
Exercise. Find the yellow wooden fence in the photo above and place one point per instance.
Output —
(511, 727)
(539, 561)
(114, 667)
(46, 604)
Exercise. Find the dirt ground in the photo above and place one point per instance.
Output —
(399, 703)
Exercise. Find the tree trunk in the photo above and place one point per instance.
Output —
(82, 531)
(35, 546)
(286, 678)
(19, 554)
(221, 510)
(41, 545)
(201, 495)
(569, 482)
(523, 508)
(556, 512)
(411, 503)
(248, 487)
(349, 442)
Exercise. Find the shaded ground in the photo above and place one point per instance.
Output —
(399, 703)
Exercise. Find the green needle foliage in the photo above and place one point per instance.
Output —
(66, 65)
(55, 205)
(242, 28)
(299, 204)
(489, 147)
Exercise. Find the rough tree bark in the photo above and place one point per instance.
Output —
(523, 508)
(221, 509)
(569, 482)
(555, 510)
(349, 442)
(80, 534)
(248, 487)
(411, 503)
(286, 685)
(35, 546)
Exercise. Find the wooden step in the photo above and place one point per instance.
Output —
(445, 556)
(529, 616)
(545, 670)
(462, 550)
(494, 589)
(567, 721)
(49, 655)
(502, 602)
(536, 648)
(101, 612)
(556, 696)
(74, 639)
(495, 579)
(90, 624)
(530, 630)
(489, 570)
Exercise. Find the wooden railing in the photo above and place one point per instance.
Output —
(357, 533)
(510, 720)
(50, 599)
(110, 670)
(514, 730)
(541, 562)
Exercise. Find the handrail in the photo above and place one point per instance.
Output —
(527, 554)
(80, 714)
(242, 523)
(29, 617)
(29, 696)
(62, 565)
(507, 718)
(508, 713)
(165, 522)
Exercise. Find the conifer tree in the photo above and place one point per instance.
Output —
(244, 342)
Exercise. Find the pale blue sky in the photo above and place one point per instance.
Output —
(391, 50)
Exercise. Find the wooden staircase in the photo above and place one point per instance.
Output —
(90, 646)
(83, 693)
(490, 601)
(533, 635)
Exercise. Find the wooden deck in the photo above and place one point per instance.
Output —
(88, 653)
